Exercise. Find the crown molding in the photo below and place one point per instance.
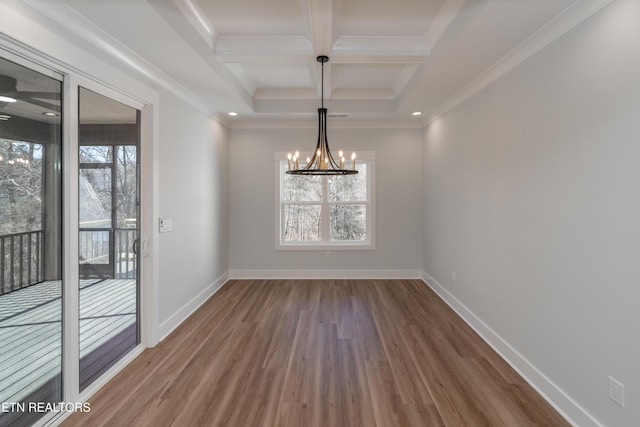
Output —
(85, 31)
(572, 16)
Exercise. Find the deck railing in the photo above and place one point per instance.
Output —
(21, 256)
(126, 257)
(20, 260)
(95, 248)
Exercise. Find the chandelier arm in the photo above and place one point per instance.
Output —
(322, 161)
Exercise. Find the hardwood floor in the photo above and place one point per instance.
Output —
(320, 353)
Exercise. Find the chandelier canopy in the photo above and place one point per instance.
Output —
(322, 162)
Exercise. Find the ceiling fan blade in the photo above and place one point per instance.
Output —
(25, 94)
(42, 104)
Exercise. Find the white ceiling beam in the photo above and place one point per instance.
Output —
(320, 21)
(239, 57)
(318, 15)
(387, 46)
(337, 95)
(445, 17)
(379, 59)
(309, 106)
(198, 20)
(181, 24)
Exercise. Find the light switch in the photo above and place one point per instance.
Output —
(166, 225)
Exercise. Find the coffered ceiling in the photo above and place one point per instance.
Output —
(387, 58)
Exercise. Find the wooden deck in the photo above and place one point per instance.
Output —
(31, 334)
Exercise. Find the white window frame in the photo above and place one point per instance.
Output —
(326, 244)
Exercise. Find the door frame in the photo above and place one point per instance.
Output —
(106, 81)
(146, 292)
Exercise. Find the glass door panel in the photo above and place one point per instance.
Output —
(96, 250)
(109, 136)
(31, 242)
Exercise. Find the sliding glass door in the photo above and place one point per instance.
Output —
(69, 264)
(31, 242)
(109, 140)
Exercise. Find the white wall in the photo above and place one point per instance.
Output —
(532, 198)
(253, 200)
(193, 184)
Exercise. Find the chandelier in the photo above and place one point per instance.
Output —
(322, 162)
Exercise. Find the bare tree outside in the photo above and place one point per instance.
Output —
(20, 186)
(305, 197)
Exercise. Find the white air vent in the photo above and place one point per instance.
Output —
(341, 116)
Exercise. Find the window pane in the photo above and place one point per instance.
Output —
(348, 222)
(95, 198)
(127, 186)
(300, 188)
(349, 188)
(96, 154)
(20, 186)
(94, 247)
(31, 242)
(109, 133)
(301, 223)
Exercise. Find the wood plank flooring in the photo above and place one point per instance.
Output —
(320, 353)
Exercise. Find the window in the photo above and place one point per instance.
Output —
(326, 212)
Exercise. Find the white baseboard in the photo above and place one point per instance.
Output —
(189, 308)
(556, 397)
(325, 274)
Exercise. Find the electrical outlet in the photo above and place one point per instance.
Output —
(616, 391)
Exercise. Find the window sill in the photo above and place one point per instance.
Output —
(360, 246)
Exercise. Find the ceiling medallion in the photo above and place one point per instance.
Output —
(322, 162)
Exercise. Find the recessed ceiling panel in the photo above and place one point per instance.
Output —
(253, 18)
(277, 76)
(384, 18)
(371, 77)
(387, 57)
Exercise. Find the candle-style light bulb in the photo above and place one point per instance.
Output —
(340, 153)
(353, 161)
(341, 162)
(289, 161)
